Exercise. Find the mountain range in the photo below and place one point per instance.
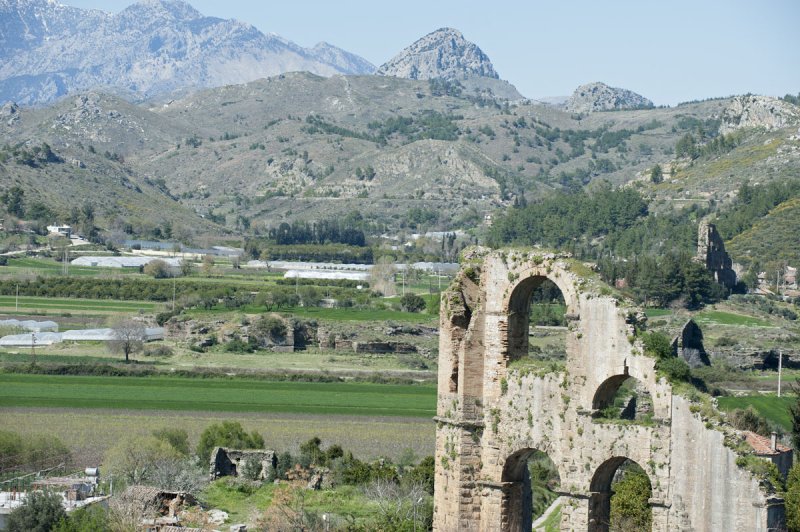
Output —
(48, 50)
(435, 140)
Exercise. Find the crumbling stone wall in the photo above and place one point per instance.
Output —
(492, 414)
(229, 462)
(688, 345)
(711, 252)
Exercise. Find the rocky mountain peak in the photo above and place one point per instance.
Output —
(160, 9)
(444, 53)
(598, 96)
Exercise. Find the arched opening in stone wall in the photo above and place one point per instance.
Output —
(537, 324)
(623, 397)
(620, 495)
(530, 487)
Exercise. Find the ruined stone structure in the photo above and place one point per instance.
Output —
(229, 462)
(711, 252)
(688, 345)
(493, 414)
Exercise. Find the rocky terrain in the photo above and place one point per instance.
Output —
(758, 111)
(48, 50)
(444, 53)
(597, 96)
(405, 154)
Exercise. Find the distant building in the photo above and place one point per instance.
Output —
(770, 449)
(63, 230)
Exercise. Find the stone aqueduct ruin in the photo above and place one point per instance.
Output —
(491, 417)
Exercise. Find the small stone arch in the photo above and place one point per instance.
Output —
(600, 493)
(517, 306)
(517, 508)
(607, 391)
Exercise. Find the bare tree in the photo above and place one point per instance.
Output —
(381, 277)
(128, 337)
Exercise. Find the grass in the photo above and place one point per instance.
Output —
(28, 303)
(729, 318)
(89, 433)
(51, 267)
(332, 314)
(241, 506)
(774, 408)
(657, 312)
(217, 395)
(24, 357)
(553, 521)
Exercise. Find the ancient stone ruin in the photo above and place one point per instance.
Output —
(231, 462)
(711, 252)
(688, 344)
(494, 413)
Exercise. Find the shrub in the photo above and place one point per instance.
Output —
(40, 512)
(177, 438)
(674, 369)
(251, 469)
(158, 351)
(157, 269)
(792, 499)
(227, 434)
(657, 345)
(749, 419)
(87, 519)
(412, 303)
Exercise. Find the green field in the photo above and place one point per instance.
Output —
(54, 304)
(774, 408)
(333, 314)
(216, 395)
(51, 267)
(729, 318)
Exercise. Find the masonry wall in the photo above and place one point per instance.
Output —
(707, 485)
(491, 416)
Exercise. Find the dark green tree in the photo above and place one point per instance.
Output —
(794, 413)
(657, 174)
(792, 499)
(14, 200)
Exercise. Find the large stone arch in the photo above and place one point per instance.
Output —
(490, 414)
(516, 511)
(600, 498)
(516, 306)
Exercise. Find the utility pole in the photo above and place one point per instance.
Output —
(33, 346)
(16, 301)
(174, 287)
(780, 369)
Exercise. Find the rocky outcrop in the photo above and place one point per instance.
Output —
(711, 252)
(444, 53)
(600, 97)
(758, 111)
(153, 47)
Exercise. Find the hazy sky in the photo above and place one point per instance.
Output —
(667, 50)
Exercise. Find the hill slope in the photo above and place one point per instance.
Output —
(402, 154)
